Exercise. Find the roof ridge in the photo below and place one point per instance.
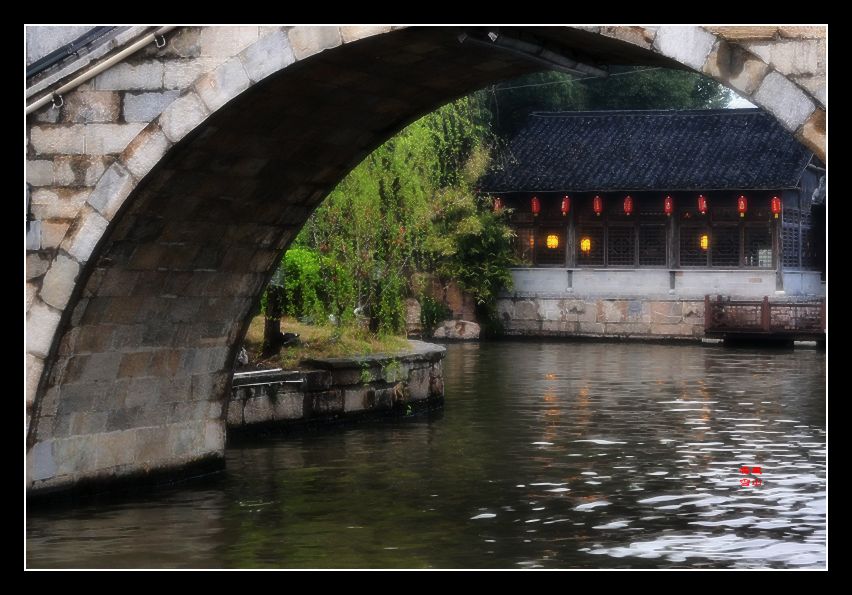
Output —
(649, 112)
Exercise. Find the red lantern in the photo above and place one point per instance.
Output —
(776, 206)
(702, 204)
(597, 205)
(566, 205)
(628, 205)
(742, 205)
(498, 204)
(668, 205)
(535, 205)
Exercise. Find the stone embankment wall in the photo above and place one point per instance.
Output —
(328, 389)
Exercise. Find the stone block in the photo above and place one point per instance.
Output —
(102, 139)
(83, 106)
(612, 311)
(641, 36)
(459, 330)
(327, 403)
(35, 366)
(235, 413)
(36, 265)
(134, 365)
(815, 85)
(50, 140)
(79, 170)
(257, 409)
(792, 57)
(288, 406)
(687, 45)
(223, 84)
(109, 194)
(591, 328)
(40, 172)
(307, 41)
(42, 322)
(224, 42)
(59, 281)
(86, 236)
(43, 461)
(812, 133)
(784, 100)
(184, 114)
(666, 312)
(131, 77)
(627, 329)
(146, 151)
(350, 34)
(739, 68)
(145, 107)
(180, 74)
(269, 54)
(526, 310)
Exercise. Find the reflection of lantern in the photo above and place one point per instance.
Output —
(704, 241)
(668, 205)
(552, 241)
(597, 205)
(702, 204)
(566, 205)
(628, 205)
(585, 245)
(742, 205)
(776, 206)
(498, 204)
(535, 205)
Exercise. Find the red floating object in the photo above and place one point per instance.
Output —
(702, 204)
(628, 205)
(597, 205)
(535, 205)
(776, 206)
(566, 205)
(668, 205)
(498, 204)
(742, 205)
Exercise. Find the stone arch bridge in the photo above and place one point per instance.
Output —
(163, 191)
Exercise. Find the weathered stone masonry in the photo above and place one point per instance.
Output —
(165, 189)
(339, 387)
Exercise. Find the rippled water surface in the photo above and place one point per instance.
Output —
(554, 455)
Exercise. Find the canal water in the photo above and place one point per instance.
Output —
(546, 455)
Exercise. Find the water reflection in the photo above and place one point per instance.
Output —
(547, 455)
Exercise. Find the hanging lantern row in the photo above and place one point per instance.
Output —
(668, 205)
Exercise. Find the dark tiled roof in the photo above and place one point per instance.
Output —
(649, 150)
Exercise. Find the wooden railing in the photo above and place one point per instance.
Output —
(763, 317)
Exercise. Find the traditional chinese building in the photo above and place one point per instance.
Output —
(625, 220)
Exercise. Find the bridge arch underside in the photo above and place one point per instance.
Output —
(139, 371)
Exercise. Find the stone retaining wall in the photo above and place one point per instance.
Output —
(336, 387)
(602, 317)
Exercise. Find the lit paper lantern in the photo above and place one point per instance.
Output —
(566, 205)
(702, 204)
(552, 241)
(776, 206)
(668, 205)
(585, 245)
(597, 205)
(742, 205)
(498, 204)
(628, 205)
(535, 206)
(704, 241)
